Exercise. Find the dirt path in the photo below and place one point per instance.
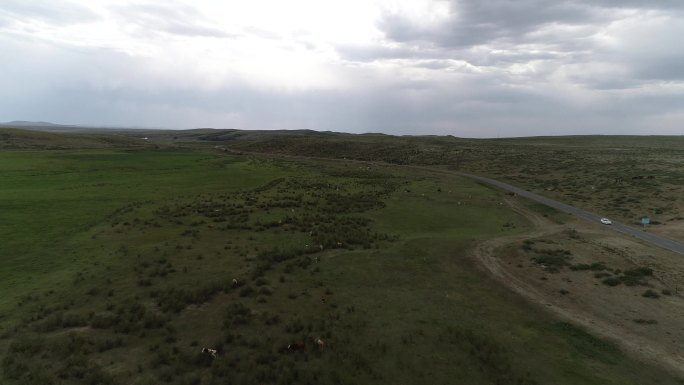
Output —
(634, 345)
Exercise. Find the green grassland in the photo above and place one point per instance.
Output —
(18, 139)
(623, 177)
(119, 265)
(50, 199)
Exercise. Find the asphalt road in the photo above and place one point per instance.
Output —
(617, 226)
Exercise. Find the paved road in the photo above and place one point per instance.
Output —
(617, 226)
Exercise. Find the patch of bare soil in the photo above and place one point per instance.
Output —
(650, 329)
(673, 229)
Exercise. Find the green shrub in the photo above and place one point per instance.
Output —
(104, 320)
(636, 276)
(486, 354)
(596, 266)
(265, 290)
(552, 260)
(236, 314)
(246, 291)
(612, 281)
(154, 321)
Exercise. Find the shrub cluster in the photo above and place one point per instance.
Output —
(595, 266)
(486, 354)
(128, 318)
(553, 260)
(176, 299)
(634, 277)
(63, 358)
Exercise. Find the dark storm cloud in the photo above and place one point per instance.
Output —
(475, 22)
(490, 58)
(478, 22)
(666, 5)
(511, 32)
(170, 18)
(533, 40)
(58, 12)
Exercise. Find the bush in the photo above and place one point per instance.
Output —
(596, 266)
(294, 327)
(612, 281)
(650, 294)
(104, 320)
(246, 291)
(636, 276)
(154, 321)
(633, 277)
(552, 260)
(527, 245)
(70, 320)
(176, 300)
(485, 353)
(265, 290)
(236, 314)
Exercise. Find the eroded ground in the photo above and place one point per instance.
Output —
(618, 287)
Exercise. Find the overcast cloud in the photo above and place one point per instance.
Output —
(460, 67)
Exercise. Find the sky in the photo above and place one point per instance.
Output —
(468, 68)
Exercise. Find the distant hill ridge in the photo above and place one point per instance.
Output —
(17, 139)
(26, 123)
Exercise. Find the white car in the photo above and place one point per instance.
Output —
(606, 221)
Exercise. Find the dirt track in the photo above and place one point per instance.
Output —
(638, 346)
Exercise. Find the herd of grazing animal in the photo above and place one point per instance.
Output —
(213, 353)
(290, 348)
(301, 346)
(295, 347)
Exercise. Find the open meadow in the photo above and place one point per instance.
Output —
(621, 177)
(120, 263)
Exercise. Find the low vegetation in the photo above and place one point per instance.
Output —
(185, 266)
(555, 260)
(622, 177)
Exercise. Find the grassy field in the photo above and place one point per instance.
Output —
(119, 266)
(50, 200)
(622, 177)
(19, 139)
